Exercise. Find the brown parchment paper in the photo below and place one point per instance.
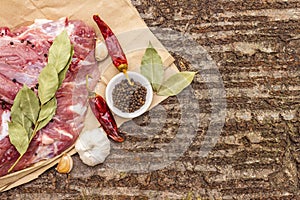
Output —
(126, 23)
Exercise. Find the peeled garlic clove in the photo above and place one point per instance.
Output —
(100, 50)
(65, 164)
(93, 146)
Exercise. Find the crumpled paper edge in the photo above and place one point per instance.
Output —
(23, 176)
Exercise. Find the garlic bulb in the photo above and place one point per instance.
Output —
(93, 146)
(100, 50)
(65, 164)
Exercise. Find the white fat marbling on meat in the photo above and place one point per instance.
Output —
(47, 140)
(62, 132)
(51, 30)
(85, 62)
(42, 152)
(4, 125)
(78, 108)
(55, 149)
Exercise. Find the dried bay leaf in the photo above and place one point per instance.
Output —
(44, 122)
(30, 105)
(18, 136)
(62, 73)
(25, 122)
(152, 67)
(48, 83)
(59, 60)
(18, 116)
(176, 83)
(59, 52)
(48, 109)
(30, 112)
(47, 112)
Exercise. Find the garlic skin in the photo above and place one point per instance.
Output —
(65, 164)
(93, 146)
(100, 50)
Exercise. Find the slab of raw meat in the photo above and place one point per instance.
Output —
(23, 54)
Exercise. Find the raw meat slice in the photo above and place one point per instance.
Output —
(8, 89)
(23, 54)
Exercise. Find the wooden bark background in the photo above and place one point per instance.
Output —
(256, 47)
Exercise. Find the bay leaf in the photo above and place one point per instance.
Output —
(30, 105)
(48, 83)
(62, 73)
(152, 67)
(59, 52)
(47, 112)
(18, 136)
(25, 122)
(17, 115)
(44, 122)
(16, 108)
(30, 112)
(176, 83)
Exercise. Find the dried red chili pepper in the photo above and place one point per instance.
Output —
(104, 116)
(113, 46)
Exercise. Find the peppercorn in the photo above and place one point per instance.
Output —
(129, 98)
(3, 106)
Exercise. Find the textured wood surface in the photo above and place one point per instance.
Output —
(247, 57)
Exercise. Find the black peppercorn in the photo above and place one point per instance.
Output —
(129, 98)
(3, 106)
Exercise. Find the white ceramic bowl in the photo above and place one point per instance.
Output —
(136, 77)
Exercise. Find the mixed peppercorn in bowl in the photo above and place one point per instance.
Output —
(129, 100)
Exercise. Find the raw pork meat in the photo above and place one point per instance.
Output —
(23, 54)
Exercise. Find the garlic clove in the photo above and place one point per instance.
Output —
(100, 50)
(65, 164)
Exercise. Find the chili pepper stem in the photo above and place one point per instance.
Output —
(127, 77)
